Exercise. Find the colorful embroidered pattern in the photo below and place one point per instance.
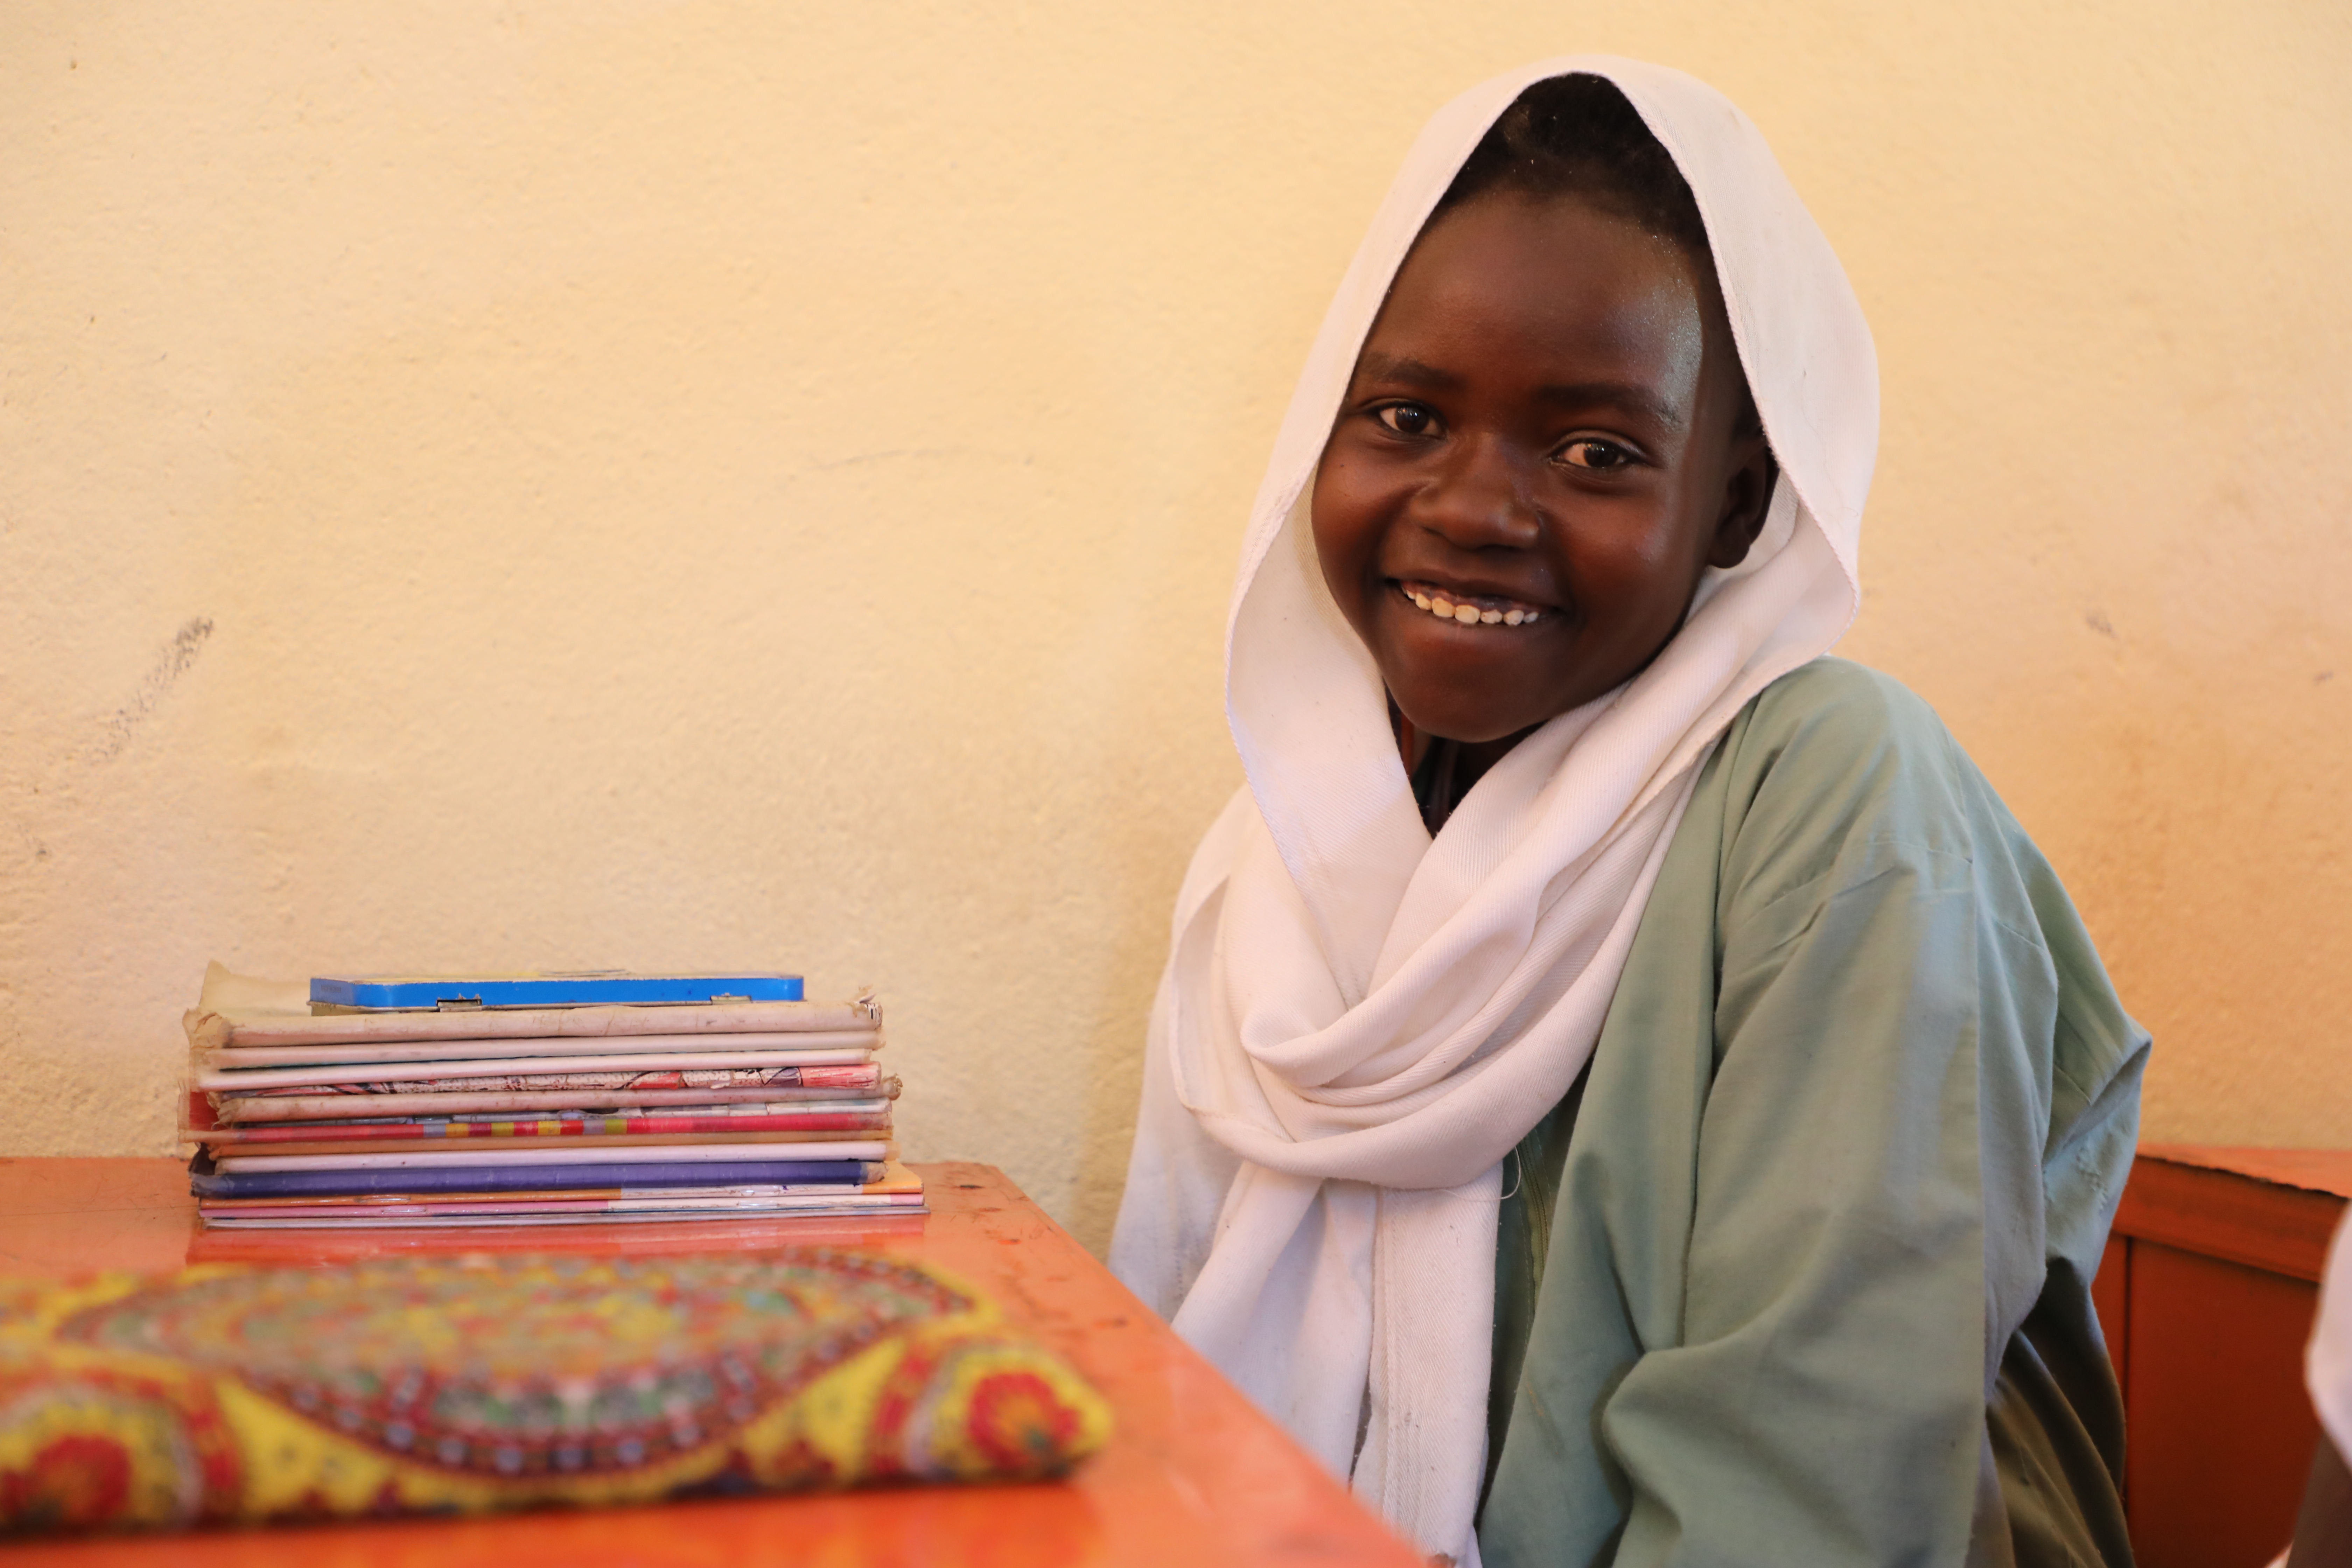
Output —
(465, 1384)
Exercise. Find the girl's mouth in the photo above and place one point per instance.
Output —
(1468, 609)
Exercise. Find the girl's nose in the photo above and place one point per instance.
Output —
(1481, 497)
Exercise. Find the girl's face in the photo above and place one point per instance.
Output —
(1545, 443)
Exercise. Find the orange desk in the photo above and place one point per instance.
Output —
(2206, 1295)
(1193, 1474)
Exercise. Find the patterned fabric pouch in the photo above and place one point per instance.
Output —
(463, 1384)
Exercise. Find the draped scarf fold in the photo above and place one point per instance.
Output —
(1357, 1021)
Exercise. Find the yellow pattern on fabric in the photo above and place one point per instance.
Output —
(463, 1385)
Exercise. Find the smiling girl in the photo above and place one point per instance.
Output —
(1624, 1089)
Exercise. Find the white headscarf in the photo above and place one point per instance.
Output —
(1357, 1023)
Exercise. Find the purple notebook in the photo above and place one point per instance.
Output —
(207, 1183)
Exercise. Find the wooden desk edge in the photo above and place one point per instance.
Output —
(2184, 1197)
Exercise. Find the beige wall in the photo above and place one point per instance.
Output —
(660, 484)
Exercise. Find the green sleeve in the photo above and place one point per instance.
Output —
(1804, 1207)
(1827, 1396)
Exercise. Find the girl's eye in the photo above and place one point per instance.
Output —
(1604, 457)
(1407, 418)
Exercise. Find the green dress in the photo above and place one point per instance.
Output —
(1800, 1272)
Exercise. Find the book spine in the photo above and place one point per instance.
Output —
(241, 1156)
(210, 1029)
(536, 1178)
(486, 1049)
(398, 994)
(240, 1110)
(819, 1116)
(526, 1072)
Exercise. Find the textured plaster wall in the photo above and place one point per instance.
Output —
(662, 484)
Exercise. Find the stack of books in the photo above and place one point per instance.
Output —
(538, 1100)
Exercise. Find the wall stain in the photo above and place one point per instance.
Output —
(172, 663)
(894, 455)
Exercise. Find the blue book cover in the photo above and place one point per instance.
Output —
(207, 1183)
(602, 987)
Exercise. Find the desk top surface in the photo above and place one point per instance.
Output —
(1192, 1474)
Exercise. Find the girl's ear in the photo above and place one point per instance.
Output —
(1746, 497)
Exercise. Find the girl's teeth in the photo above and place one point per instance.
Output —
(1446, 609)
